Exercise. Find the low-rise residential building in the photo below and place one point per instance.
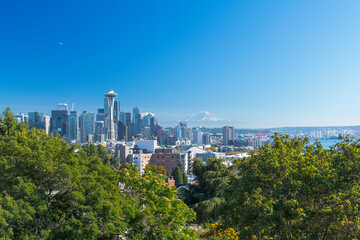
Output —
(140, 160)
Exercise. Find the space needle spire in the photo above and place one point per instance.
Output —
(111, 95)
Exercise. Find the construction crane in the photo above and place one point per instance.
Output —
(263, 134)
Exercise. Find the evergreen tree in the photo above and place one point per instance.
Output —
(208, 194)
(178, 176)
(185, 179)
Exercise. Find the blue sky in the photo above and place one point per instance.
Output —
(254, 63)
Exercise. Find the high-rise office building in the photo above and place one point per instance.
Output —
(73, 121)
(59, 122)
(106, 106)
(137, 119)
(125, 118)
(35, 117)
(111, 95)
(136, 111)
(206, 140)
(122, 131)
(87, 126)
(181, 131)
(197, 136)
(116, 111)
(228, 134)
(39, 121)
(99, 127)
(100, 116)
(20, 117)
(138, 123)
(146, 118)
(47, 124)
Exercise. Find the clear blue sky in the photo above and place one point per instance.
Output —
(255, 63)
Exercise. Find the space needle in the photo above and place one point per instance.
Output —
(111, 95)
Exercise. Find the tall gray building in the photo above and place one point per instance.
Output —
(137, 120)
(116, 111)
(87, 126)
(39, 121)
(206, 139)
(228, 134)
(125, 118)
(197, 136)
(136, 111)
(59, 122)
(73, 131)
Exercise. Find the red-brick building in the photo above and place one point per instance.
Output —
(166, 158)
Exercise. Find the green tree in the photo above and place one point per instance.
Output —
(51, 190)
(156, 170)
(296, 190)
(160, 214)
(178, 176)
(185, 179)
(207, 195)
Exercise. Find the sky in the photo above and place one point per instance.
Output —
(254, 63)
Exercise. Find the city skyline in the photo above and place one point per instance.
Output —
(255, 64)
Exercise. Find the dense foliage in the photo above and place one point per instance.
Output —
(51, 190)
(160, 213)
(179, 175)
(207, 194)
(295, 190)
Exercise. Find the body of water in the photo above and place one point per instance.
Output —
(325, 142)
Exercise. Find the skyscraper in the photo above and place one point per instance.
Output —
(116, 111)
(197, 136)
(100, 116)
(136, 111)
(99, 127)
(20, 117)
(73, 130)
(181, 131)
(206, 140)
(59, 121)
(122, 131)
(106, 106)
(47, 124)
(35, 117)
(228, 134)
(39, 121)
(87, 126)
(111, 95)
(125, 118)
(137, 119)
(138, 123)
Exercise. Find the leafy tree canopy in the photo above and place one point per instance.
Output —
(296, 190)
(51, 190)
(206, 195)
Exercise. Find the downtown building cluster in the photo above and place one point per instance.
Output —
(134, 137)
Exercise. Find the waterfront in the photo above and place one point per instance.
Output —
(325, 142)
